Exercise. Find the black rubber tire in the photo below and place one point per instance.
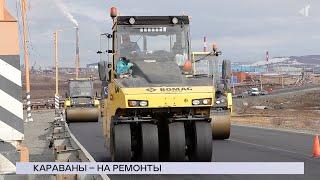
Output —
(202, 142)
(121, 143)
(149, 142)
(177, 142)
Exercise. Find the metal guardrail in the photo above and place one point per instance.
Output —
(68, 149)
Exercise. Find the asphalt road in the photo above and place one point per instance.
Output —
(246, 144)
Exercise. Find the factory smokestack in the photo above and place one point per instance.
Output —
(204, 44)
(77, 52)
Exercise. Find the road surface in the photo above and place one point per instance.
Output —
(246, 144)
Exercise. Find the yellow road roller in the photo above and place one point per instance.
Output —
(81, 105)
(209, 65)
(156, 108)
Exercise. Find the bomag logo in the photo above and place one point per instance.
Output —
(175, 89)
(151, 89)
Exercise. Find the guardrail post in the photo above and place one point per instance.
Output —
(57, 105)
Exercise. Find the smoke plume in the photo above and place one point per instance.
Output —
(63, 8)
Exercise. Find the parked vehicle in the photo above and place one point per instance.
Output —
(254, 92)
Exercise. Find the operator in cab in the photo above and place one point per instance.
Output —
(127, 47)
(124, 68)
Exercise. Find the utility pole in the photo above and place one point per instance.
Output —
(26, 58)
(282, 81)
(261, 81)
(204, 44)
(56, 61)
(56, 64)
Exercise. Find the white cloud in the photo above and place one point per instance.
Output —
(91, 11)
(243, 29)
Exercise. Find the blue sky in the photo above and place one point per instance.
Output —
(243, 29)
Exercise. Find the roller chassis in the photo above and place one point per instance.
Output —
(119, 120)
(173, 125)
(172, 138)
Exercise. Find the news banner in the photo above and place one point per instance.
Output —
(160, 168)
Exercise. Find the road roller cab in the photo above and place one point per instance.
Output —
(156, 109)
(81, 105)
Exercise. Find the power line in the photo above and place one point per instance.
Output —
(32, 49)
(18, 8)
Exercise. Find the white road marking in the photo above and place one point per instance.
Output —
(306, 156)
(84, 150)
(277, 129)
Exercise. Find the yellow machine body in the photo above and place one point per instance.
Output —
(157, 97)
(81, 109)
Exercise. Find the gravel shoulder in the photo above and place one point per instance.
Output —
(295, 110)
(36, 140)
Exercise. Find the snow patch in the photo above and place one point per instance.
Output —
(271, 61)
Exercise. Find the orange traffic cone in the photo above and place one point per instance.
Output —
(316, 147)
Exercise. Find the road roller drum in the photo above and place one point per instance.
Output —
(79, 114)
(221, 125)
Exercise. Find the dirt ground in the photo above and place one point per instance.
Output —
(295, 110)
(299, 110)
(43, 86)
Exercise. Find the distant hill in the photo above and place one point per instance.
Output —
(309, 59)
(306, 61)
